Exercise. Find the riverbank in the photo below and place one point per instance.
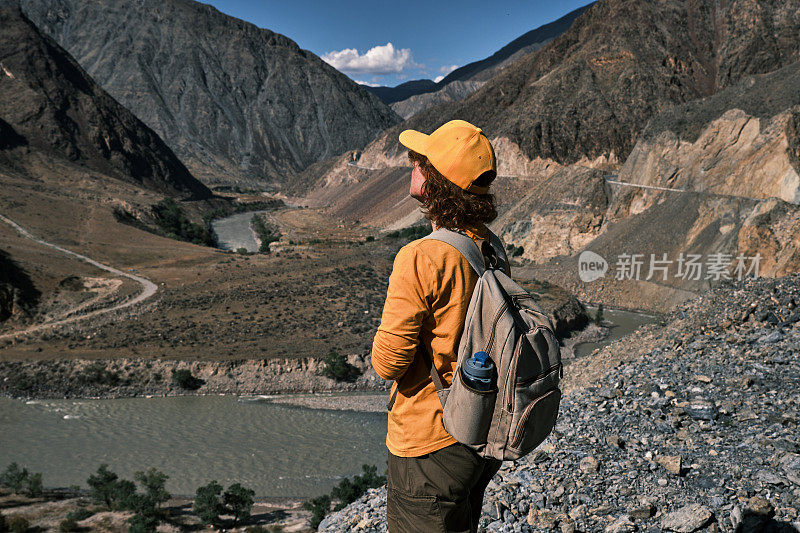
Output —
(687, 426)
(46, 513)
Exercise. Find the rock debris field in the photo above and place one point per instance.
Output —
(697, 431)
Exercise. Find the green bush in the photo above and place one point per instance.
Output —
(267, 233)
(184, 379)
(14, 478)
(79, 514)
(34, 487)
(171, 219)
(518, 251)
(319, 507)
(153, 482)
(102, 486)
(410, 233)
(239, 502)
(142, 523)
(98, 374)
(206, 502)
(69, 525)
(337, 367)
(349, 491)
(598, 316)
(18, 524)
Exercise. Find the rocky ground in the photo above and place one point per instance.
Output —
(690, 426)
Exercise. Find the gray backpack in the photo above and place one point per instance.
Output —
(503, 320)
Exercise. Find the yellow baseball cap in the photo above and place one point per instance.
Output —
(458, 150)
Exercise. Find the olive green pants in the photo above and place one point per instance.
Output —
(440, 492)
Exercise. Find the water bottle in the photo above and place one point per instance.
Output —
(477, 371)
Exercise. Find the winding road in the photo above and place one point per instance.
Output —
(148, 287)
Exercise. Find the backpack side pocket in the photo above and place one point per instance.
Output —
(468, 412)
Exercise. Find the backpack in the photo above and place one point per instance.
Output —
(503, 320)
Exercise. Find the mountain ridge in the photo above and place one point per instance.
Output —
(237, 103)
(49, 104)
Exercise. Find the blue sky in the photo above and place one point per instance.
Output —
(428, 39)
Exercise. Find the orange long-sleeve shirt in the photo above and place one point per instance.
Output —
(429, 291)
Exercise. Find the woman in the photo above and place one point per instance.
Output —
(434, 482)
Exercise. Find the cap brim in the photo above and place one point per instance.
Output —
(415, 140)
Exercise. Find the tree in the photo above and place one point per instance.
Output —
(14, 478)
(142, 523)
(34, 485)
(598, 317)
(184, 379)
(123, 495)
(239, 501)
(337, 367)
(206, 502)
(349, 491)
(319, 507)
(102, 485)
(153, 482)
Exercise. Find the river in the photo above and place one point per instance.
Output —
(277, 450)
(622, 323)
(234, 232)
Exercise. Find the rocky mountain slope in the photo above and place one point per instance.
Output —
(729, 151)
(689, 426)
(472, 75)
(50, 106)
(590, 92)
(237, 103)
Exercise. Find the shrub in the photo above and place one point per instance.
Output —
(34, 485)
(370, 238)
(142, 523)
(98, 374)
(337, 367)
(239, 502)
(3, 524)
(267, 233)
(518, 251)
(102, 486)
(79, 514)
(319, 507)
(153, 482)
(18, 524)
(171, 219)
(598, 316)
(14, 478)
(69, 525)
(349, 491)
(206, 502)
(184, 379)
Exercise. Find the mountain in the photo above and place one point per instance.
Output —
(588, 93)
(49, 105)
(390, 95)
(237, 103)
(481, 71)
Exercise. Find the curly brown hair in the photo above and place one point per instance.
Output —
(449, 206)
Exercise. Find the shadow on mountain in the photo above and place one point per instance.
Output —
(9, 138)
(17, 291)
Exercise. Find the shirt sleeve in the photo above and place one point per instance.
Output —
(412, 286)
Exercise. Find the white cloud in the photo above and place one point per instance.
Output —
(447, 69)
(437, 79)
(368, 84)
(377, 60)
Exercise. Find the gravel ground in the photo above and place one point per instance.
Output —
(693, 427)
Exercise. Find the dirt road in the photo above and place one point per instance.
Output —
(148, 287)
